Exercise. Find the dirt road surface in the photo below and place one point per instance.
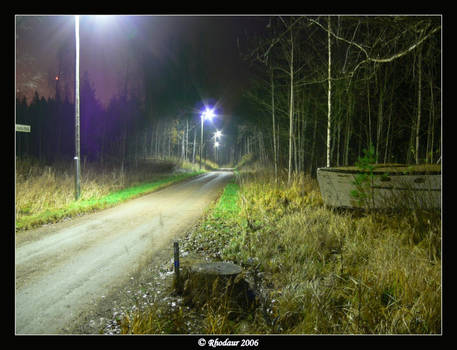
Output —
(64, 270)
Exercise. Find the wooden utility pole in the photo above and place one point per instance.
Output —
(176, 266)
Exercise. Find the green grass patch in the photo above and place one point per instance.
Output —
(219, 224)
(96, 203)
(141, 189)
(228, 204)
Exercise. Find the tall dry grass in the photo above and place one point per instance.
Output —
(40, 188)
(317, 270)
(333, 271)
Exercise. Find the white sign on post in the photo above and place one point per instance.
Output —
(22, 128)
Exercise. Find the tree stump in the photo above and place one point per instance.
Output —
(224, 269)
(220, 282)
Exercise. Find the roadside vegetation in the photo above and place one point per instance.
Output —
(45, 194)
(314, 270)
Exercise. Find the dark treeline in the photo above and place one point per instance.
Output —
(128, 129)
(324, 89)
(329, 87)
(105, 133)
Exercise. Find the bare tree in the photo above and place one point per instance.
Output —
(419, 105)
(291, 105)
(329, 91)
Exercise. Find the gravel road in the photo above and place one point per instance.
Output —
(64, 270)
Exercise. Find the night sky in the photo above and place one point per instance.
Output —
(111, 48)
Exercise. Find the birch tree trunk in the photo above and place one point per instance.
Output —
(348, 129)
(193, 148)
(275, 157)
(183, 145)
(380, 116)
(370, 142)
(388, 133)
(169, 142)
(313, 146)
(338, 137)
(419, 97)
(329, 103)
(431, 121)
(291, 106)
(187, 140)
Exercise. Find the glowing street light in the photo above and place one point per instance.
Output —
(208, 114)
(217, 134)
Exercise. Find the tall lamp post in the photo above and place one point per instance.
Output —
(217, 135)
(216, 145)
(207, 114)
(77, 157)
(77, 138)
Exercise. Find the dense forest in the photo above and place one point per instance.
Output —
(322, 90)
(123, 131)
(333, 86)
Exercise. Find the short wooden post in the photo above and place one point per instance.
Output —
(176, 264)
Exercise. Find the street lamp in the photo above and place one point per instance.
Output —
(216, 145)
(207, 114)
(77, 157)
(77, 142)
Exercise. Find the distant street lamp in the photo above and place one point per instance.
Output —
(207, 114)
(217, 135)
(216, 145)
